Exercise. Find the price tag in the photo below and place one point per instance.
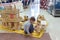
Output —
(43, 23)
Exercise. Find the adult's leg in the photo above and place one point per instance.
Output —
(28, 2)
(32, 0)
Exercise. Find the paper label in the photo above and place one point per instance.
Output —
(43, 22)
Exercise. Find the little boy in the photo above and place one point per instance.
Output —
(28, 26)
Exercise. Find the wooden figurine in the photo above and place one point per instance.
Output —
(40, 17)
(38, 27)
(25, 18)
(43, 21)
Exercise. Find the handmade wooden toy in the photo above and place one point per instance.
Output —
(38, 27)
(25, 18)
(10, 17)
(40, 17)
(43, 21)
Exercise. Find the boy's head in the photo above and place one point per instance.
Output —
(32, 20)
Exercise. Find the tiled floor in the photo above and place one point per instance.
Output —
(14, 36)
(53, 22)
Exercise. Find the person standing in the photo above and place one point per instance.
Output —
(50, 6)
(25, 3)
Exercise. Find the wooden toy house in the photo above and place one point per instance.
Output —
(10, 17)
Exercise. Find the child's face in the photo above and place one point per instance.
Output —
(32, 22)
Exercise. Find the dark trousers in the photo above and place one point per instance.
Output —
(28, 2)
(8, 1)
(31, 29)
(24, 3)
(32, 0)
(3, 2)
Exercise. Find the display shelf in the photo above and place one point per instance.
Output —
(56, 8)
